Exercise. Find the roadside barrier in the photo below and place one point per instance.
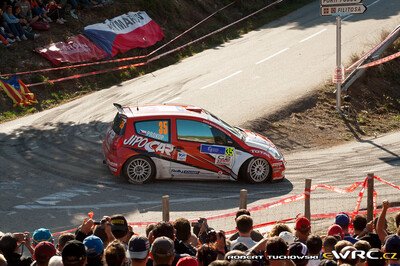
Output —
(286, 200)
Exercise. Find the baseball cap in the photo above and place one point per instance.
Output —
(287, 237)
(93, 245)
(44, 251)
(119, 225)
(342, 219)
(162, 247)
(392, 243)
(298, 249)
(335, 229)
(42, 234)
(138, 247)
(302, 224)
(73, 252)
(187, 261)
(56, 261)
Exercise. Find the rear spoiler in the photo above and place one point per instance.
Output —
(119, 108)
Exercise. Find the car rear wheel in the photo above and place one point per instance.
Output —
(257, 170)
(139, 170)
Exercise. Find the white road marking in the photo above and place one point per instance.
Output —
(173, 99)
(374, 3)
(312, 36)
(271, 56)
(219, 81)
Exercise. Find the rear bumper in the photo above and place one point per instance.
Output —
(111, 161)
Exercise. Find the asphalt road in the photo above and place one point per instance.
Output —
(50, 162)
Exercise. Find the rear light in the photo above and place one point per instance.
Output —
(116, 143)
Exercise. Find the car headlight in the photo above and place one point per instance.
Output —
(275, 153)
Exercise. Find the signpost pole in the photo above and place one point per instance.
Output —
(338, 61)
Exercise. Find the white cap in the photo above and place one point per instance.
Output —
(55, 261)
(287, 237)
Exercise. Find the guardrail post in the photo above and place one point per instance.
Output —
(243, 199)
(165, 208)
(370, 197)
(307, 199)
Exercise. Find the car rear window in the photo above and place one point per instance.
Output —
(155, 129)
(119, 124)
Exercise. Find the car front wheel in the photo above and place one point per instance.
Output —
(139, 170)
(257, 170)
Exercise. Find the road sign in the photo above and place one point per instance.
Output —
(349, 9)
(339, 2)
(338, 75)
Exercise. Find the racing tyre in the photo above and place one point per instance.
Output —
(257, 170)
(139, 170)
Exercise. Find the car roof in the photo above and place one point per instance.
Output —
(164, 110)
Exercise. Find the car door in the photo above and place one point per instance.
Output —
(201, 151)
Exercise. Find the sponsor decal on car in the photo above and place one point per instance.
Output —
(151, 134)
(181, 156)
(229, 151)
(260, 152)
(215, 149)
(184, 172)
(223, 160)
(148, 145)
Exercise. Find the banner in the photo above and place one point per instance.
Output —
(125, 32)
(77, 49)
(17, 91)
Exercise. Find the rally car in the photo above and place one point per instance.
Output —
(186, 142)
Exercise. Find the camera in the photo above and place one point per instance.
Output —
(102, 221)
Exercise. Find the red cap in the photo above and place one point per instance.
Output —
(302, 224)
(334, 230)
(44, 250)
(187, 261)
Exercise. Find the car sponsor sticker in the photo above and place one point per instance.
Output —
(148, 145)
(152, 135)
(181, 156)
(229, 151)
(212, 149)
(223, 160)
(184, 172)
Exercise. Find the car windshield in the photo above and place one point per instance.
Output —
(236, 131)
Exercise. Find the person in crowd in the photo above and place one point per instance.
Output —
(288, 237)
(302, 229)
(38, 9)
(56, 12)
(343, 220)
(244, 225)
(298, 249)
(94, 250)
(206, 254)
(4, 41)
(314, 246)
(150, 228)
(9, 247)
(42, 234)
(376, 258)
(162, 251)
(219, 263)
(3, 261)
(329, 244)
(43, 253)
(275, 246)
(364, 246)
(255, 235)
(347, 260)
(279, 228)
(183, 235)
(74, 254)
(26, 11)
(115, 254)
(25, 24)
(138, 250)
(336, 230)
(62, 240)
(13, 24)
(188, 261)
(392, 245)
(359, 225)
(342, 244)
(120, 228)
(381, 225)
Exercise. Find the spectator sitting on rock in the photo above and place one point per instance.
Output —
(43, 253)
(94, 250)
(343, 220)
(13, 24)
(302, 229)
(74, 254)
(244, 225)
(138, 250)
(26, 11)
(115, 254)
(162, 251)
(183, 235)
(255, 235)
(56, 12)
(38, 10)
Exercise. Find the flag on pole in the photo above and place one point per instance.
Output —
(17, 91)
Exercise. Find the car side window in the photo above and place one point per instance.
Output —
(190, 130)
(155, 129)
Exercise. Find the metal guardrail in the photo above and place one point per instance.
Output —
(372, 55)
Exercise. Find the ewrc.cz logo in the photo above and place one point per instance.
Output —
(360, 254)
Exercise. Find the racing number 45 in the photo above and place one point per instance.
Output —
(163, 127)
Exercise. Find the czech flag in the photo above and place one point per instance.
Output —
(17, 91)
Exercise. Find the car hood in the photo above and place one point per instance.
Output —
(260, 142)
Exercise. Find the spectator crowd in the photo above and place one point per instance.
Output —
(21, 19)
(112, 242)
